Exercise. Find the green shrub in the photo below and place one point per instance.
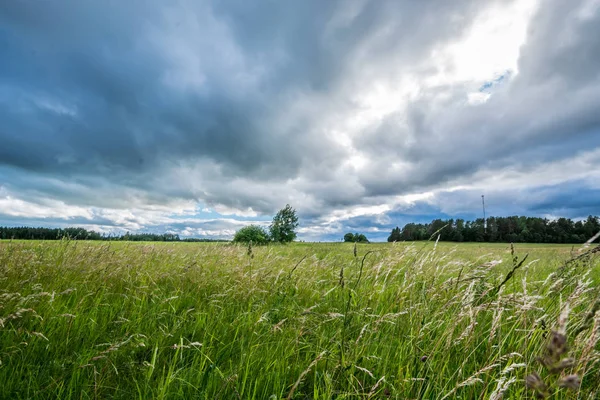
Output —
(251, 233)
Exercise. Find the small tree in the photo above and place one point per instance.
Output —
(283, 227)
(251, 233)
(349, 237)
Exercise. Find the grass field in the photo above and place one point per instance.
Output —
(195, 320)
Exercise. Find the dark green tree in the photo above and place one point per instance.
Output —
(251, 233)
(395, 236)
(355, 238)
(360, 238)
(457, 233)
(283, 227)
(590, 227)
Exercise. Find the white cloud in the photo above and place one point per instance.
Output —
(16, 207)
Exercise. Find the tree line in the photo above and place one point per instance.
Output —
(494, 229)
(501, 229)
(83, 234)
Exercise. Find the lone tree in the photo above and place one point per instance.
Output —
(283, 227)
(251, 233)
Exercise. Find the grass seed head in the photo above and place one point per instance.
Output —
(570, 382)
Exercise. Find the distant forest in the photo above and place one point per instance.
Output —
(501, 229)
(83, 234)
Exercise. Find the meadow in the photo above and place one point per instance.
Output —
(96, 320)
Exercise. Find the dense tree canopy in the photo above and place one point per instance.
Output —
(355, 237)
(502, 229)
(396, 235)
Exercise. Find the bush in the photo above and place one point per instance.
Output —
(251, 233)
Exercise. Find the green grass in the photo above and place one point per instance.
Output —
(196, 320)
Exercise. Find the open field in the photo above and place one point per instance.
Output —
(197, 320)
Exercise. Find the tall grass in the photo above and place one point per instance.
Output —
(177, 321)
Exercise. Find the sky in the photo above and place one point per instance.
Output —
(200, 117)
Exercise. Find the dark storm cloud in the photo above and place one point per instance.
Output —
(243, 104)
(316, 45)
(571, 200)
(91, 98)
(125, 120)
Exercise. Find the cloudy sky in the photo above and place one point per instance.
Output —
(198, 117)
